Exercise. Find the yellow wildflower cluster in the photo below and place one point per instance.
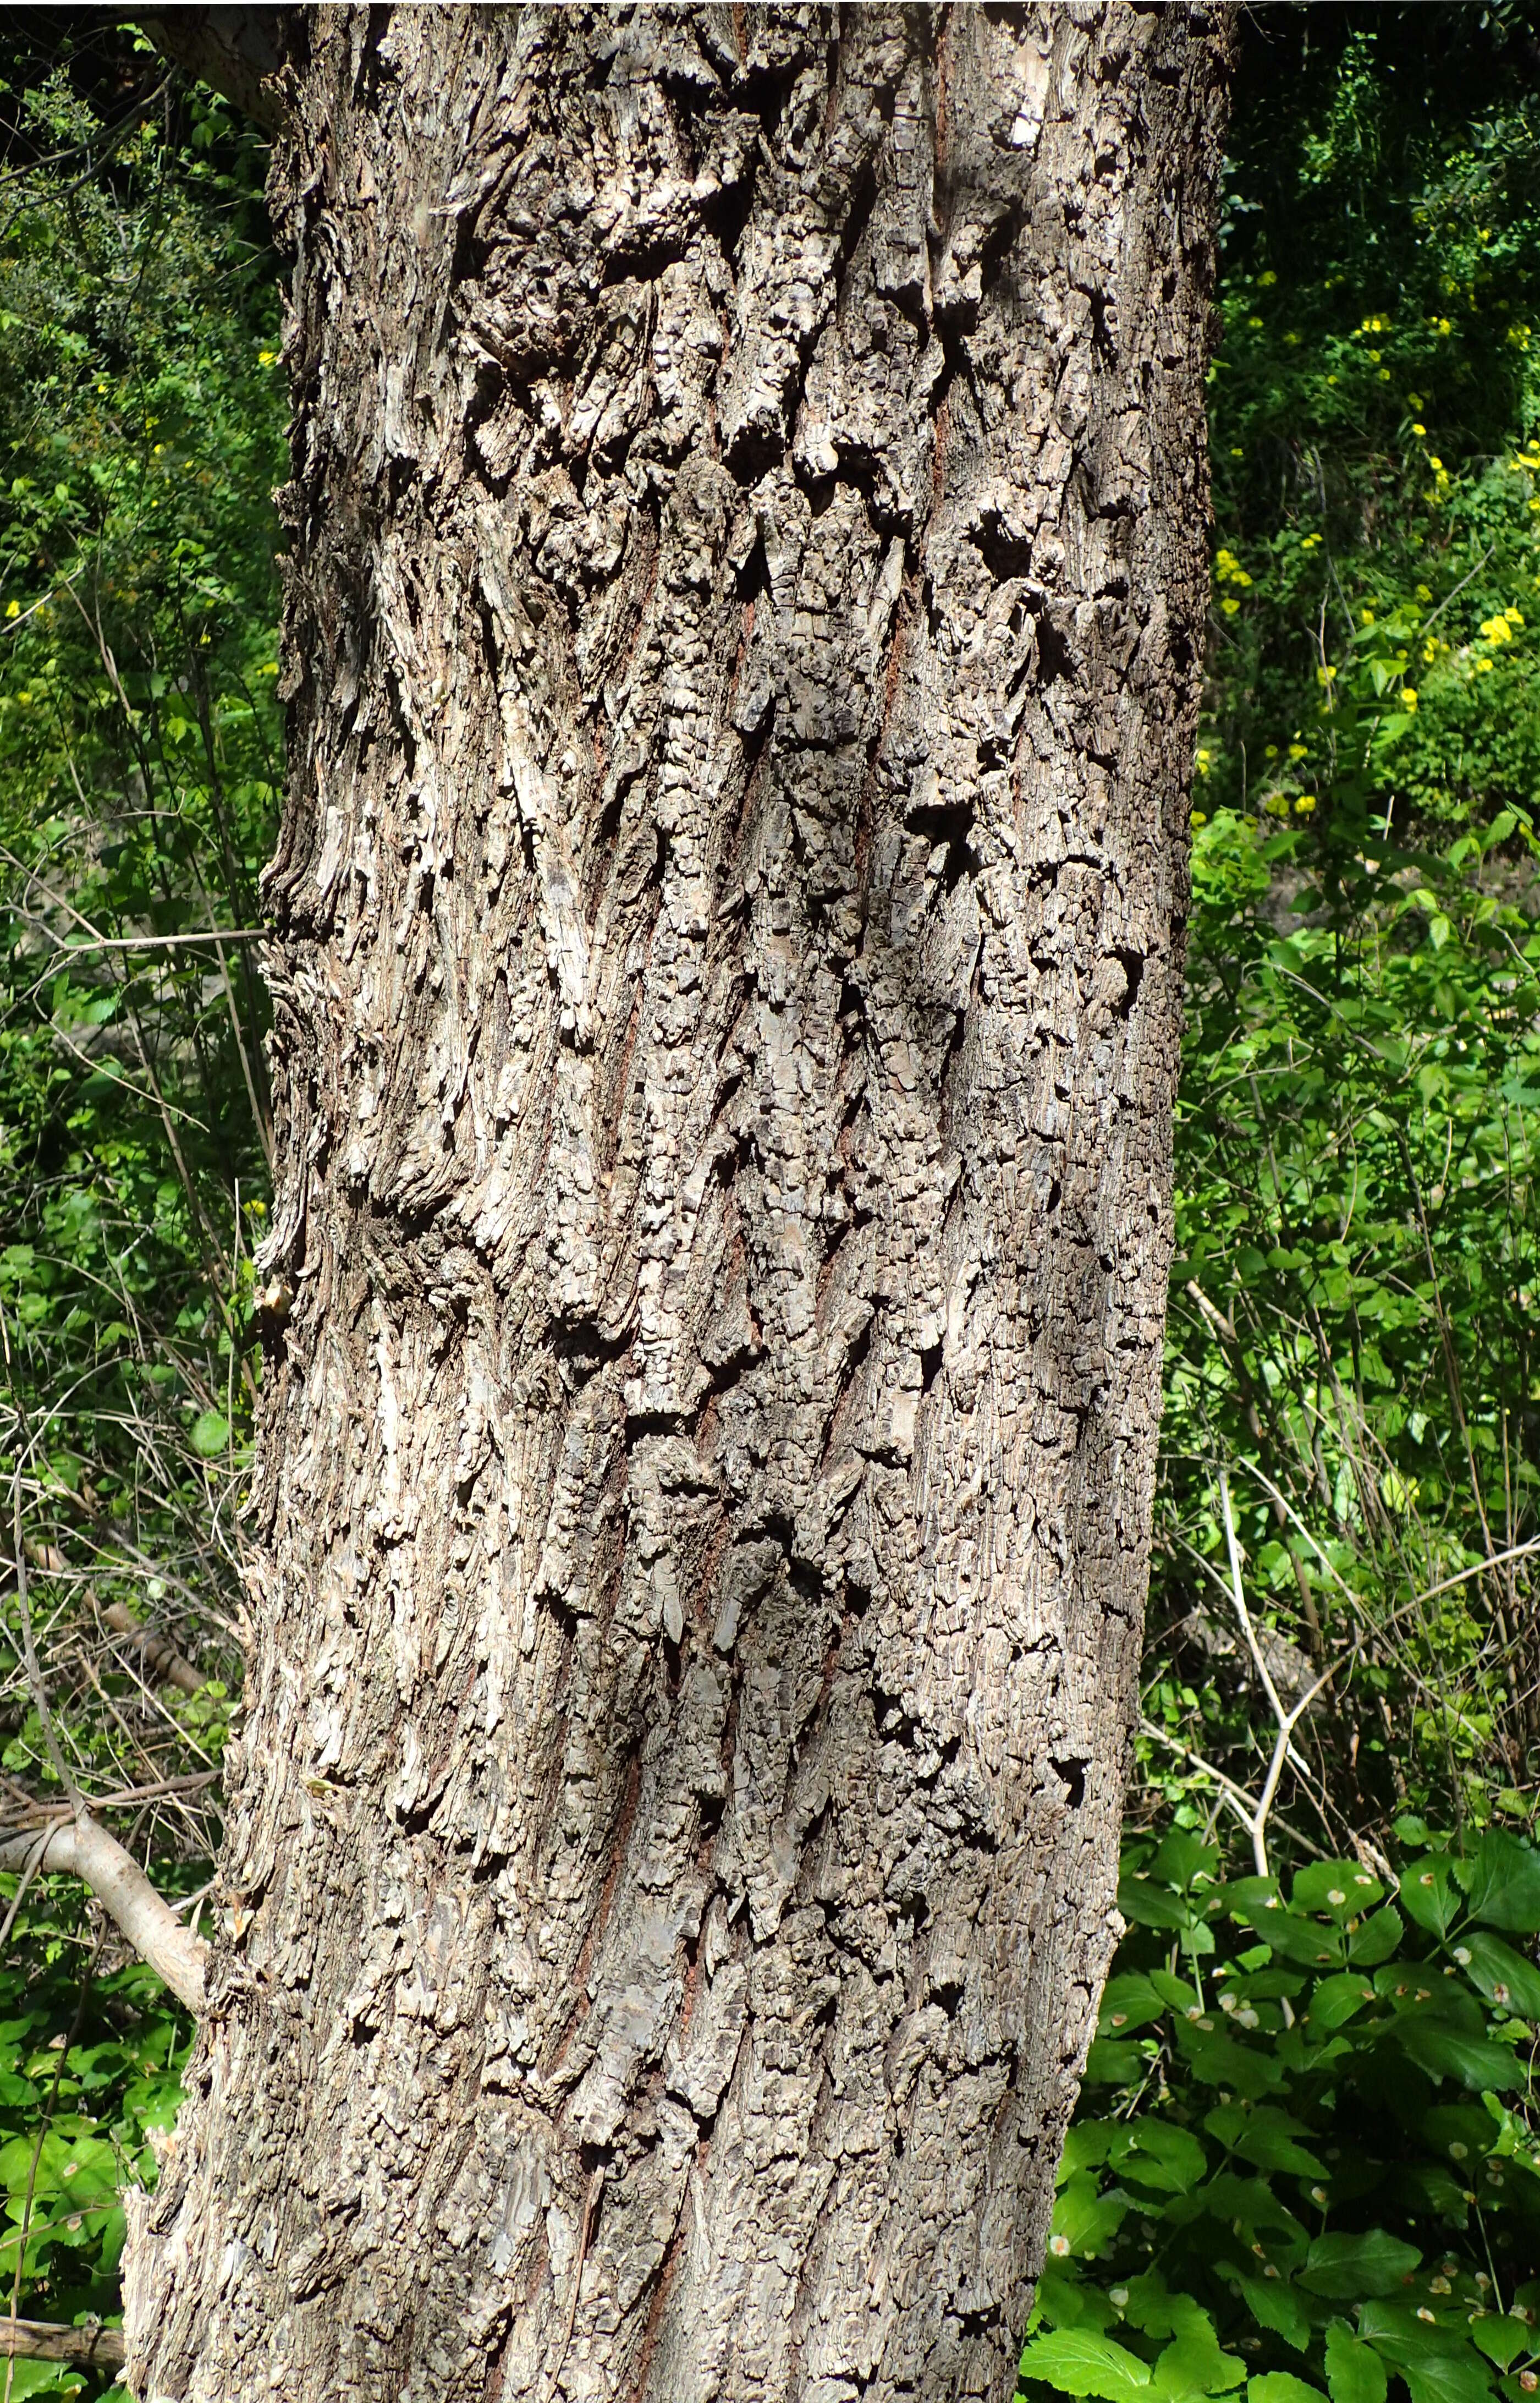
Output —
(1375, 326)
(1501, 629)
(1229, 570)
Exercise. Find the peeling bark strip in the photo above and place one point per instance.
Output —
(747, 567)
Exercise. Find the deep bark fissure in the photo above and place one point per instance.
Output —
(746, 570)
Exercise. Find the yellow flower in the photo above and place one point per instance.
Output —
(13, 608)
(1497, 630)
(1435, 463)
(1367, 617)
(1230, 605)
(1254, 322)
(1305, 804)
(266, 358)
(1483, 667)
(1198, 818)
(1204, 760)
(1513, 616)
(1409, 698)
(1277, 805)
(1422, 592)
(1272, 751)
(1267, 277)
(1296, 750)
(1326, 675)
(1418, 430)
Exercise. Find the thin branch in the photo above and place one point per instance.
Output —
(85, 1850)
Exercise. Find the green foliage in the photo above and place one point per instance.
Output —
(1307, 2157)
(140, 436)
(1305, 2161)
(141, 431)
(1352, 1305)
(89, 2079)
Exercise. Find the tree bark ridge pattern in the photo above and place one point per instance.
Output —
(746, 585)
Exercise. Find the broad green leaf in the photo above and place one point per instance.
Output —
(1151, 1906)
(1193, 2363)
(1128, 2002)
(1377, 1940)
(1434, 2372)
(1157, 2154)
(1336, 2000)
(1429, 1894)
(1064, 2300)
(1217, 2059)
(1082, 2361)
(1086, 2147)
(1341, 1888)
(1502, 1882)
(1084, 2221)
(1502, 1974)
(1501, 2339)
(1282, 2386)
(1274, 2304)
(1354, 2372)
(1346, 2268)
(1181, 1857)
(1444, 2051)
(1265, 2136)
(210, 1435)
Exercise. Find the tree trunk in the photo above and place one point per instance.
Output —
(747, 574)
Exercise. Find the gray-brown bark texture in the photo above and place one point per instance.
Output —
(747, 567)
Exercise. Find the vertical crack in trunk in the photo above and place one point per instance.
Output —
(746, 571)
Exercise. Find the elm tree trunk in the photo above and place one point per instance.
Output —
(744, 605)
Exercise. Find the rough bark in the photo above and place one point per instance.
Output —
(746, 578)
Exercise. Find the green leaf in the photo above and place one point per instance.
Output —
(210, 1435)
(1502, 1974)
(1429, 1894)
(1155, 2154)
(1085, 2221)
(1501, 2339)
(1274, 2304)
(1502, 1882)
(1341, 1888)
(1082, 2361)
(1129, 2003)
(1443, 2052)
(1282, 2386)
(1347, 2268)
(1151, 1906)
(1336, 2000)
(1264, 2136)
(1354, 2372)
(1435, 2371)
(1377, 1940)
(1193, 2363)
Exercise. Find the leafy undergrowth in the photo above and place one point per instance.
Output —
(89, 2077)
(1308, 2162)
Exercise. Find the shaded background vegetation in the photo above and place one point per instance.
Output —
(1305, 2154)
